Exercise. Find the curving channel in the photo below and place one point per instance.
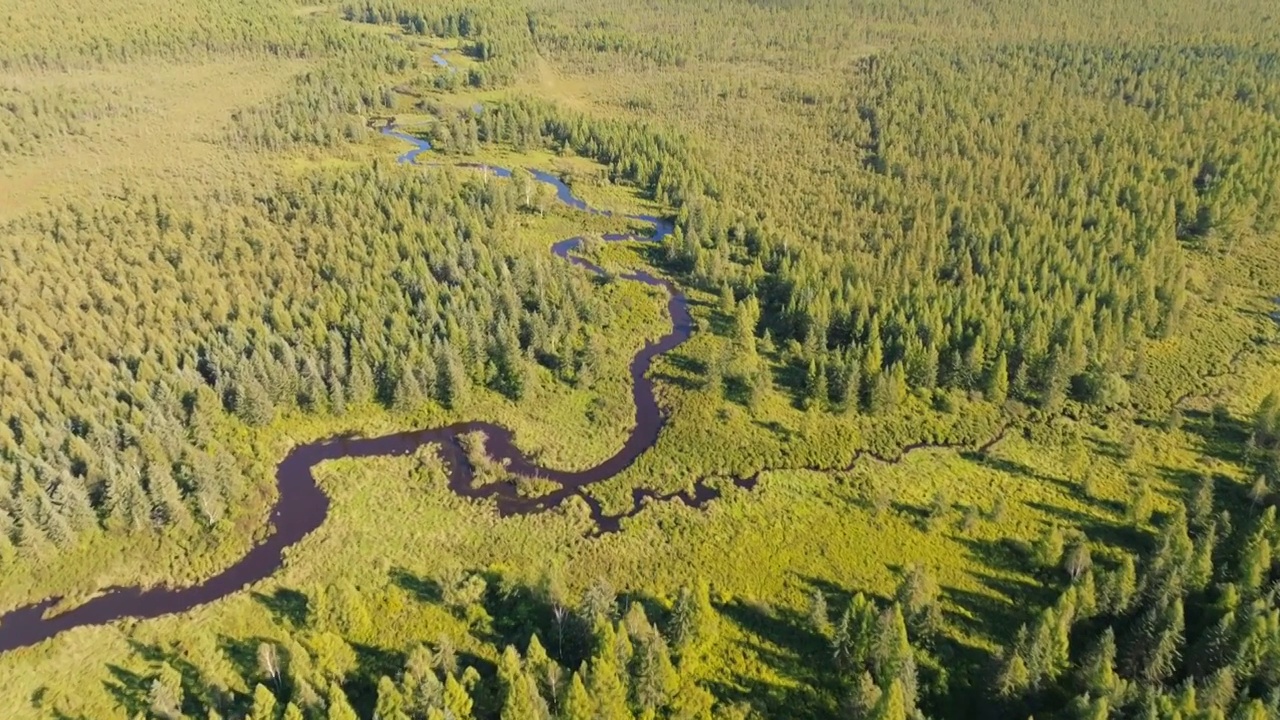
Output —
(301, 506)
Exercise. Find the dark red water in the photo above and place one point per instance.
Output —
(302, 507)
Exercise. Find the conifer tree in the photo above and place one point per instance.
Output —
(391, 704)
(457, 701)
(264, 703)
(339, 708)
(997, 387)
(520, 693)
(578, 704)
(893, 703)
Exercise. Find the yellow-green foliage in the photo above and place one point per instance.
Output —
(768, 99)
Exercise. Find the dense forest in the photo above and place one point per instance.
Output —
(1015, 259)
(340, 290)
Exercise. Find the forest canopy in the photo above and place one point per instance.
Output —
(978, 416)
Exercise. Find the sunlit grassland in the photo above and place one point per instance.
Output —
(395, 532)
(159, 131)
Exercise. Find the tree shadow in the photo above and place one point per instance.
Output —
(984, 616)
(197, 693)
(1116, 535)
(130, 689)
(1182, 479)
(916, 515)
(737, 391)
(790, 377)
(1223, 438)
(1011, 555)
(361, 686)
(721, 323)
(423, 589)
(287, 607)
(838, 596)
(1004, 465)
(780, 431)
(770, 700)
(519, 611)
(783, 628)
(1108, 448)
(687, 366)
(243, 654)
(1112, 507)
(680, 381)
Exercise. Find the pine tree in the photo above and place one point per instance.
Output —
(866, 696)
(291, 712)
(1200, 570)
(445, 658)
(745, 319)
(1077, 560)
(653, 678)
(1098, 674)
(815, 386)
(1162, 630)
(578, 704)
(693, 619)
(1141, 504)
(1259, 492)
(408, 394)
(919, 597)
(819, 614)
(453, 385)
(856, 635)
(391, 704)
(269, 663)
(544, 671)
(422, 689)
(520, 693)
(892, 656)
(608, 689)
(599, 602)
(1049, 548)
(339, 708)
(1200, 509)
(1015, 678)
(264, 703)
(457, 702)
(1124, 585)
(253, 404)
(851, 386)
(1255, 562)
(165, 694)
(997, 388)
(893, 703)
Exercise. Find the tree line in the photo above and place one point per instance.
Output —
(317, 294)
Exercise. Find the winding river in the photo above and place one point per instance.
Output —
(302, 507)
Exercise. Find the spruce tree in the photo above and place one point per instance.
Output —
(339, 708)
(391, 703)
(264, 703)
(457, 701)
(578, 704)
